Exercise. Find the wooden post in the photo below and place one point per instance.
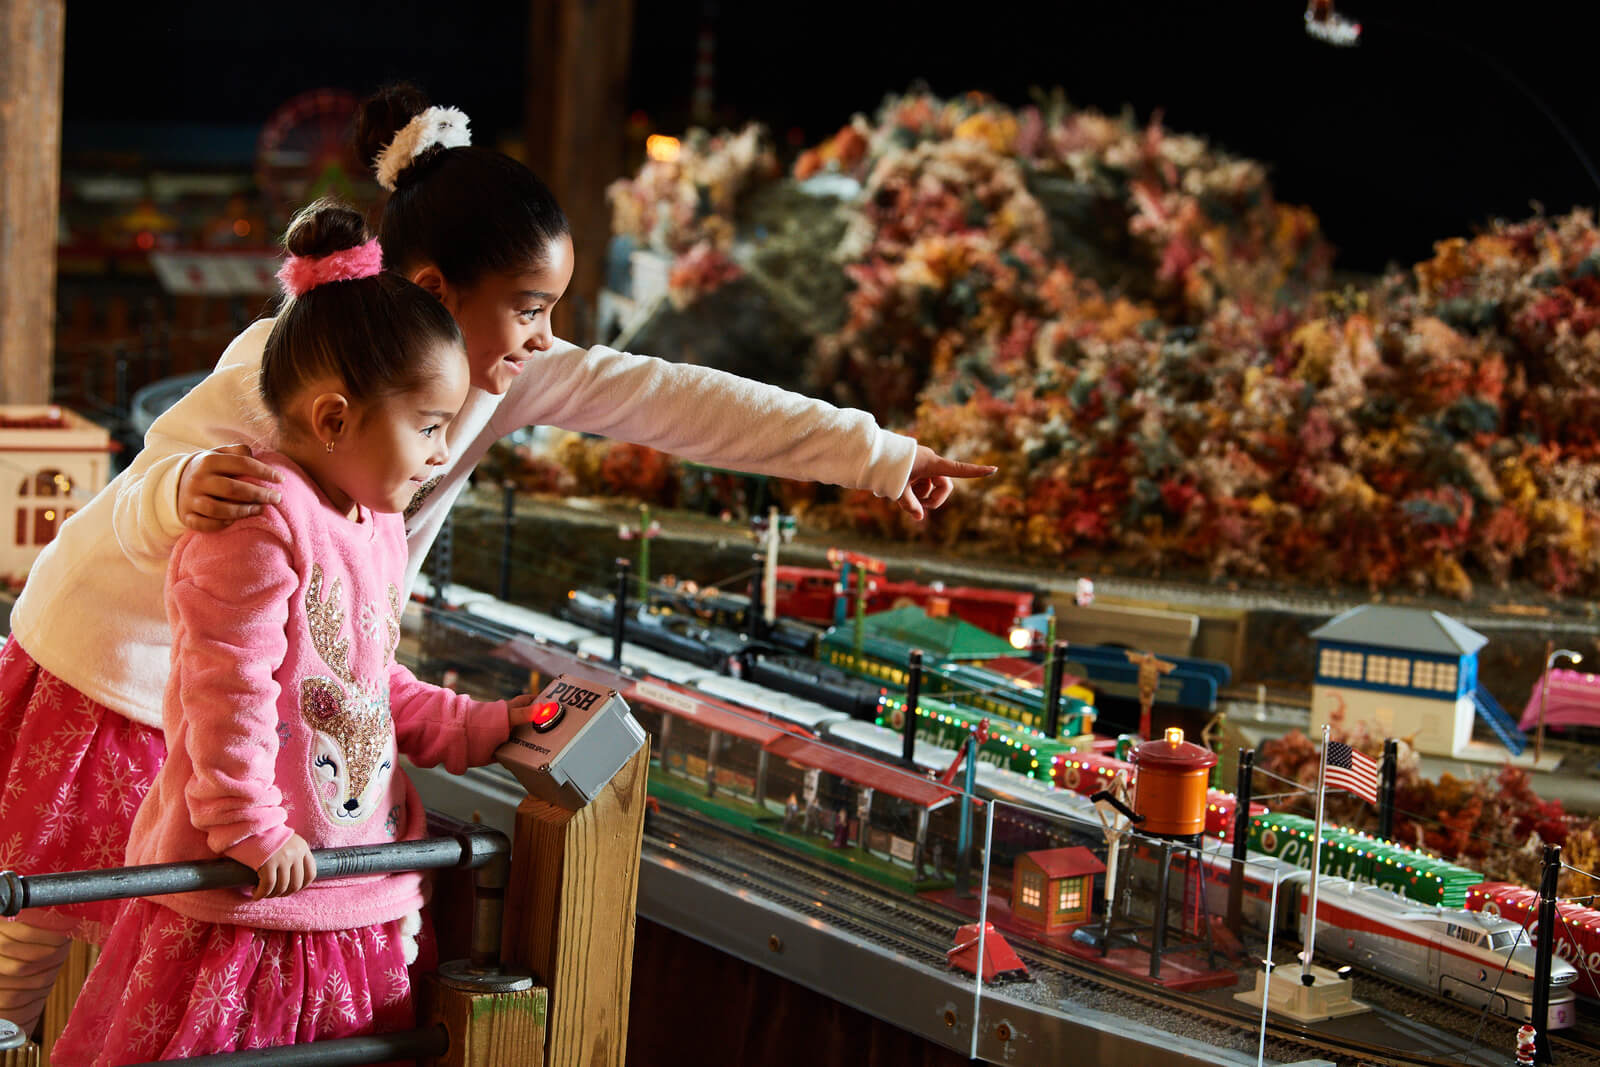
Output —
(489, 1029)
(30, 183)
(570, 914)
(26, 1055)
(64, 994)
(578, 53)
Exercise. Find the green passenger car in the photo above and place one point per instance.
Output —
(1363, 858)
(1008, 745)
(952, 653)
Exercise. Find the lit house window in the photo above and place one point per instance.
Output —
(1070, 897)
(37, 525)
(1388, 670)
(1337, 663)
(1032, 891)
(1437, 676)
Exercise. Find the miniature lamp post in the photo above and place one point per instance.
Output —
(771, 529)
(619, 622)
(1544, 949)
(1544, 695)
(861, 612)
(1024, 633)
(1052, 689)
(1116, 820)
(647, 531)
(908, 749)
(1030, 627)
(864, 566)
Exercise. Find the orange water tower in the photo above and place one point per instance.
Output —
(1170, 786)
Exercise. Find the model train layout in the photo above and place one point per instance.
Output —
(830, 783)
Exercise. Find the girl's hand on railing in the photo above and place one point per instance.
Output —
(288, 870)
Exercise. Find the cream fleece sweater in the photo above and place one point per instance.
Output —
(91, 612)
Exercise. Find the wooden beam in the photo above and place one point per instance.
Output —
(489, 1029)
(26, 1056)
(570, 912)
(30, 183)
(64, 994)
(578, 55)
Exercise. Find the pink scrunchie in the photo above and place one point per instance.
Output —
(300, 273)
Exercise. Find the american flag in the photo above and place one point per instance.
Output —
(1352, 770)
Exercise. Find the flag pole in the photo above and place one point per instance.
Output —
(1310, 940)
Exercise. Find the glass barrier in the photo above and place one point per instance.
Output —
(774, 820)
(990, 915)
(1078, 954)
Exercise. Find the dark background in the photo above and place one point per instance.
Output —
(1444, 116)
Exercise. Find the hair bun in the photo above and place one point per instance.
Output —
(384, 114)
(323, 228)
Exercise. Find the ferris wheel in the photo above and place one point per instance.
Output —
(306, 151)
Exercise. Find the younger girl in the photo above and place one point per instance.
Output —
(285, 708)
(82, 676)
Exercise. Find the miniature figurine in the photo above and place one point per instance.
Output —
(1150, 671)
(1527, 1045)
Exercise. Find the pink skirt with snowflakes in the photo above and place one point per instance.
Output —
(167, 986)
(72, 773)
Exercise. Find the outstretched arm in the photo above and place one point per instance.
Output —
(436, 726)
(704, 415)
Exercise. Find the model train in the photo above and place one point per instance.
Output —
(1577, 932)
(818, 596)
(811, 619)
(1469, 956)
(1371, 926)
(835, 675)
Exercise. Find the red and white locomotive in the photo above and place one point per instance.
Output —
(1577, 933)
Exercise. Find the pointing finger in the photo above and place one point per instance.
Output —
(951, 468)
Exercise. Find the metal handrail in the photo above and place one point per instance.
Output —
(456, 845)
(19, 891)
(427, 1043)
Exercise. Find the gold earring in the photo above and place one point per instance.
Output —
(330, 447)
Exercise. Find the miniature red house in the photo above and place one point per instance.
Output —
(1054, 888)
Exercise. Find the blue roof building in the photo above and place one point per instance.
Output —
(1406, 672)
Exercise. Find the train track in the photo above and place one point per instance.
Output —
(877, 918)
(923, 932)
(1182, 595)
(1492, 1031)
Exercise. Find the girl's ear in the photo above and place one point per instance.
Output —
(330, 418)
(432, 279)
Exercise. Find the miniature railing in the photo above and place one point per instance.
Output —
(510, 1034)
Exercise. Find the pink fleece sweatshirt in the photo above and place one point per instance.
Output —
(285, 708)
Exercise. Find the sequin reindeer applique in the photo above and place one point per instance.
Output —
(353, 752)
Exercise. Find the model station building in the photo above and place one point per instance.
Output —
(1406, 672)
